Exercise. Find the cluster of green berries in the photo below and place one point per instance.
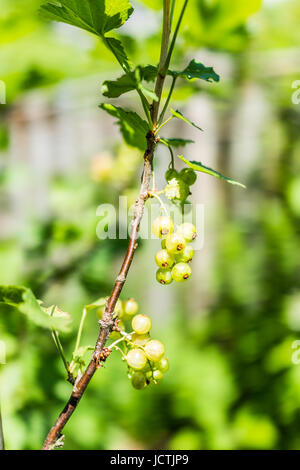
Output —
(144, 356)
(176, 253)
(145, 359)
(178, 187)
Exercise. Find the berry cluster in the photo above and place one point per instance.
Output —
(178, 187)
(145, 358)
(143, 355)
(176, 253)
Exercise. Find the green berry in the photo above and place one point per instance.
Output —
(175, 243)
(164, 259)
(138, 380)
(164, 276)
(157, 375)
(140, 340)
(170, 174)
(163, 365)
(188, 176)
(154, 350)
(162, 226)
(181, 272)
(130, 307)
(188, 231)
(136, 359)
(141, 324)
(186, 255)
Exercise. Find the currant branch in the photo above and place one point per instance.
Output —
(107, 320)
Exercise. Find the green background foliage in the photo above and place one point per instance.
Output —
(232, 383)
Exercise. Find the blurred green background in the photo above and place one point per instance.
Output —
(229, 332)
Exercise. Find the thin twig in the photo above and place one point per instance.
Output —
(107, 319)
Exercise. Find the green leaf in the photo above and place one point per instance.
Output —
(116, 88)
(96, 304)
(193, 70)
(79, 354)
(25, 302)
(197, 166)
(119, 52)
(179, 115)
(176, 142)
(198, 70)
(128, 82)
(134, 129)
(96, 16)
(149, 73)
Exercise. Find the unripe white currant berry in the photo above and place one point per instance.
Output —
(140, 340)
(154, 350)
(164, 259)
(175, 243)
(138, 380)
(181, 272)
(162, 226)
(136, 358)
(164, 276)
(186, 255)
(188, 231)
(141, 324)
(163, 365)
(130, 307)
(157, 375)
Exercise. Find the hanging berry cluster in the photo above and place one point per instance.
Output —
(144, 356)
(176, 253)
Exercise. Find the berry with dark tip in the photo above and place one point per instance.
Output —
(162, 226)
(188, 231)
(186, 255)
(164, 276)
(164, 259)
(181, 272)
(175, 243)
